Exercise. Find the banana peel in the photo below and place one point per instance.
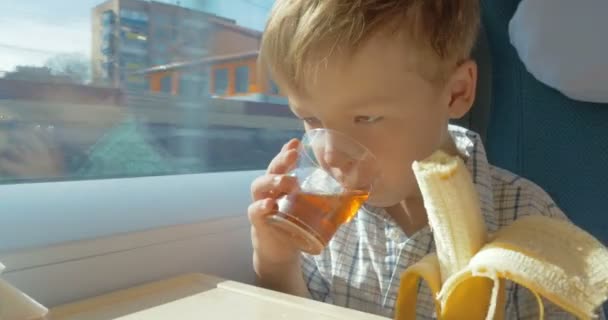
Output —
(552, 258)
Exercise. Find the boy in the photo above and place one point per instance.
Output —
(390, 74)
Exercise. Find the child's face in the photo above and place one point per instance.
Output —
(379, 100)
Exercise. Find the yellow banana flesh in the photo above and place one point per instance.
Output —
(453, 208)
(552, 258)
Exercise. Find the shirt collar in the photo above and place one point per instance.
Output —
(469, 144)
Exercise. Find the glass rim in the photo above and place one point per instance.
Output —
(366, 151)
(366, 155)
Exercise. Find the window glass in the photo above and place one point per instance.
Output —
(242, 79)
(166, 85)
(220, 80)
(93, 89)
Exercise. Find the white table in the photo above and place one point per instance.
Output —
(199, 296)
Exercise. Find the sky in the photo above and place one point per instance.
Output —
(248, 13)
(34, 30)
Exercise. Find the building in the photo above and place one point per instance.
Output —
(199, 135)
(133, 35)
(232, 76)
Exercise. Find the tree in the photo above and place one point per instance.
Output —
(74, 66)
(33, 73)
(62, 68)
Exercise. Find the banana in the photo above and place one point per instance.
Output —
(453, 208)
(553, 258)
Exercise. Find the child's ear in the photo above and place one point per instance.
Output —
(462, 88)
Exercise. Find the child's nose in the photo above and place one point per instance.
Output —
(337, 162)
(340, 169)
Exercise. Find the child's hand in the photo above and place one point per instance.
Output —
(272, 248)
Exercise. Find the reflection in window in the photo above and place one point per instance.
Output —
(151, 89)
(274, 89)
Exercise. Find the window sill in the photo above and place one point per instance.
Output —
(43, 214)
(86, 238)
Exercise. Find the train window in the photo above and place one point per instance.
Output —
(97, 89)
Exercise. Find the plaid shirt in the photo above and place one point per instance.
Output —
(362, 265)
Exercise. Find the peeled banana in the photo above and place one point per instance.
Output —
(453, 210)
(553, 258)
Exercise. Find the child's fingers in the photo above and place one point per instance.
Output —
(259, 210)
(286, 159)
(283, 162)
(292, 144)
(272, 186)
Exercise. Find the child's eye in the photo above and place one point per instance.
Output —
(367, 119)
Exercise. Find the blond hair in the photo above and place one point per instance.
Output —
(301, 35)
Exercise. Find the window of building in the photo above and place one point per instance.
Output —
(166, 84)
(130, 35)
(108, 18)
(220, 81)
(242, 79)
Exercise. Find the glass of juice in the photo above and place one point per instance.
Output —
(335, 175)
